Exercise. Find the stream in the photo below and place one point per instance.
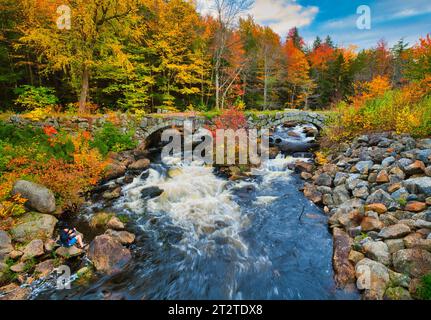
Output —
(207, 237)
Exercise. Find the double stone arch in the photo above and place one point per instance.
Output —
(150, 124)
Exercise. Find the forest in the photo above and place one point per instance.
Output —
(143, 56)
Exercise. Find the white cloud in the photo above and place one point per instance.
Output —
(280, 15)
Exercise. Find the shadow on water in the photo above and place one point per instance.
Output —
(208, 238)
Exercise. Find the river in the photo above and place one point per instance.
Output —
(207, 237)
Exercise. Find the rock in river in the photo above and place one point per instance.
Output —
(151, 192)
(108, 255)
(345, 272)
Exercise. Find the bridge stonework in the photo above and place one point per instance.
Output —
(151, 124)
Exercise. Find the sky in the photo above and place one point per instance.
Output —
(391, 20)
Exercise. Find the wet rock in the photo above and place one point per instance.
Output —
(151, 192)
(302, 166)
(33, 225)
(419, 185)
(33, 249)
(310, 191)
(108, 255)
(394, 231)
(115, 224)
(373, 278)
(414, 262)
(115, 171)
(378, 251)
(306, 176)
(44, 268)
(344, 271)
(38, 197)
(123, 237)
(16, 293)
(114, 194)
(140, 165)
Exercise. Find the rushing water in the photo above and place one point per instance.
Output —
(209, 238)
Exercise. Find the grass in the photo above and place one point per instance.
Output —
(424, 291)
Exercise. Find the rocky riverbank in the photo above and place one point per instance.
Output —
(29, 247)
(377, 192)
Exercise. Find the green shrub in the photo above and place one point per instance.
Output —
(424, 290)
(30, 98)
(110, 138)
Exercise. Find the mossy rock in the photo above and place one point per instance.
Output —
(100, 220)
(397, 293)
(32, 226)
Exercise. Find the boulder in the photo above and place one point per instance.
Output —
(363, 166)
(15, 254)
(381, 196)
(397, 293)
(115, 224)
(371, 224)
(44, 268)
(355, 256)
(419, 185)
(380, 208)
(382, 177)
(422, 224)
(115, 171)
(414, 262)
(151, 192)
(5, 243)
(38, 197)
(16, 293)
(415, 206)
(123, 237)
(323, 179)
(69, 252)
(140, 165)
(373, 278)
(18, 268)
(33, 249)
(395, 231)
(416, 167)
(394, 245)
(33, 225)
(344, 270)
(108, 255)
(378, 251)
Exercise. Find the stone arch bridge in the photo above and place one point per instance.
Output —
(151, 124)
